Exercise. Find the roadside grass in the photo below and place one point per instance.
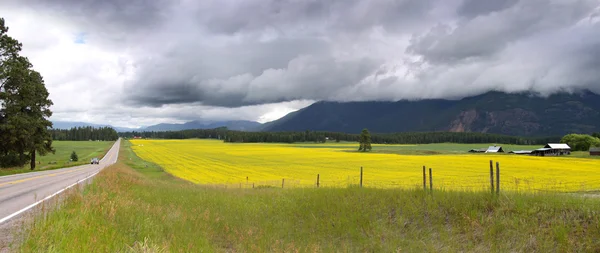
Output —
(134, 206)
(86, 150)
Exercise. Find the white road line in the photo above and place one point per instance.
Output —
(46, 198)
(58, 192)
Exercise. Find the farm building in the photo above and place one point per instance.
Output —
(490, 149)
(521, 152)
(553, 149)
(595, 151)
(495, 149)
(479, 150)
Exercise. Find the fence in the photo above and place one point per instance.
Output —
(432, 179)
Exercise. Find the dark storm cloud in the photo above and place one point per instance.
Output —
(493, 32)
(115, 16)
(316, 77)
(351, 15)
(474, 8)
(238, 53)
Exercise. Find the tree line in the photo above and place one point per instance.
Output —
(321, 136)
(24, 106)
(85, 134)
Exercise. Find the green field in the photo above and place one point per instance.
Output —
(422, 149)
(134, 206)
(86, 150)
(432, 149)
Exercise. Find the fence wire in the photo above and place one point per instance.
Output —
(442, 180)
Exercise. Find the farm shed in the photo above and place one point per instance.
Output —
(553, 149)
(495, 149)
(480, 150)
(542, 152)
(559, 148)
(595, 151)
(521, 152)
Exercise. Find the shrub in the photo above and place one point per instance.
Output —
(74, 157)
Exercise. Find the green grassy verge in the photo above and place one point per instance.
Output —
(86, 150)
(135, 206)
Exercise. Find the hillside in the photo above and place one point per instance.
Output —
(493, 112)
(239, 125)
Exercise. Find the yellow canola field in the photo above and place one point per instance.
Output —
(213, 162)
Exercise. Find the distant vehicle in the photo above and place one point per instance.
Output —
(95, 161)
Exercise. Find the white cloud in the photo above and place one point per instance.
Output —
(134, 63)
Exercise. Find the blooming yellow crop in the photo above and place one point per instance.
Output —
(215, 162)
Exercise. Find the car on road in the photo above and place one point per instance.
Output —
(95, 161)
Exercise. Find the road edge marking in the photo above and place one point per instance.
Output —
(62, 190)
(44, 199)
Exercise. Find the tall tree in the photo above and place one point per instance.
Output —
(364, 141)
(24, 106)
(580, 142)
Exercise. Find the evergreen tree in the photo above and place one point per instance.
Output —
(24, 106)
(74, 157)
(365, 141)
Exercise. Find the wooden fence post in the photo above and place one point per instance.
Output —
(317, 180)
(282, 182)
(252, 185)
(361, 176)
(430, 181)
(492, 175)
(424, 179)
(497, 178)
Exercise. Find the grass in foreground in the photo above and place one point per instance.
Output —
(135, 206)
(232, 164)
(86, 150)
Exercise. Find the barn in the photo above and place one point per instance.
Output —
(521, 152)
(479, 150)
(595, 151)
(553, 149)
(495, 149)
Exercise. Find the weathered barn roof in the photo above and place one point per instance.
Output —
(494, 149)
(595, 149)
(521, 152)
(479, 150)
(543, 149)
(557, 146)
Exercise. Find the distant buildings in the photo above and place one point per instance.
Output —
(551, 149)
(595, 151)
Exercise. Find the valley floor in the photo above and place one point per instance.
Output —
(136, 206)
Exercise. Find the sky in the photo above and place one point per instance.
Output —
(133, 63)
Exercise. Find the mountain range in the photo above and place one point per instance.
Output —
(239, 125)
(520, 114)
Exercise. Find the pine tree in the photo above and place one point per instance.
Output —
(365, 141)
(74, 157)
(24, 107)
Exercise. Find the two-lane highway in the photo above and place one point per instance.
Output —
(20, 192)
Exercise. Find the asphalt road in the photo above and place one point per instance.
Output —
(17, 192)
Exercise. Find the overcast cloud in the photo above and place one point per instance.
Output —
(136, 62)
